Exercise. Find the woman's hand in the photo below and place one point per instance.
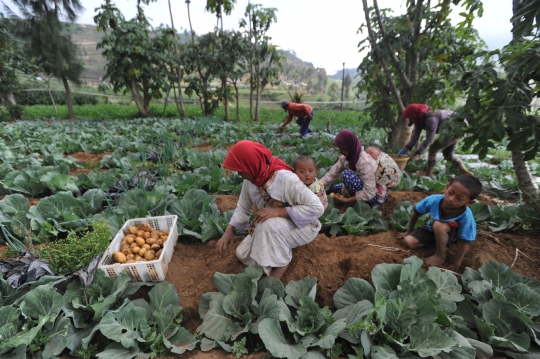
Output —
(344, 200)
(269, 212)
(225, 239)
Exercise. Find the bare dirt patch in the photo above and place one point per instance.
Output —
(86, 157)
(226, 202)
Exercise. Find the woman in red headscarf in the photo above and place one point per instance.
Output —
(423, 118)
(287, 215)
(357, 171)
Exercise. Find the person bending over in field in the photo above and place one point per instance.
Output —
(357, 171)
(451, 221)
(424, 119)
(304, 113)
(306, 170)
(387, 175)
(287, 215)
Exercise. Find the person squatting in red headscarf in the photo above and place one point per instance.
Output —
(287, 215)
(424, 118)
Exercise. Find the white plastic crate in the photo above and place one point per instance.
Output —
(150, 271)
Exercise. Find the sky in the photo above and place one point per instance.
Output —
(322, 32)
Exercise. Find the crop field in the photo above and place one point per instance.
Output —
(66, 187)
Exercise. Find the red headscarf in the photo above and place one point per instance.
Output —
(414, 112)
(255, 160)
(347, 140)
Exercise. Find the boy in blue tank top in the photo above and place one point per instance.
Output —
(451, 221)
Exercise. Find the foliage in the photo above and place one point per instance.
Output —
(361, 218)
(400, 69)
(47, 39)
(500, 218)
(399, 219)
(135, 59)
(239, 348)
(412, 313)
(502, 307)
(76, 251)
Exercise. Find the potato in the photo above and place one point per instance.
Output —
(130, 261)
(136, 250)
(149, 255)
(138, 258)
(133, 245)
(140, 241)
(124, 247)
(133, 230)
(154, 234)
(146, 235)
(130, 256)
(119, 257)
(147, 246)
(123, 243)
(145, 227)
(158, 254)
(151, 241)
(141, 251)
(126, 252)
(140, 233)
(130, 240)
(155, 247)
(160, 242)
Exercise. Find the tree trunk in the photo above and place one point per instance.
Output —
(237, 101)
(525, 179)
(258, 91)
(404, 132)
(69, 102)
(226, 97)
(51, 97)
(190, 27)
(11, 99)
(182, 109)
(137, 98)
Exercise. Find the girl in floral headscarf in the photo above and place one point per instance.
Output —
(287, 215)
(357, 171)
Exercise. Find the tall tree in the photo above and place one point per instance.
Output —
(256, 26)
(177, 70)
(48, 41)
(415, 57)
(136, 55)
(498, 105)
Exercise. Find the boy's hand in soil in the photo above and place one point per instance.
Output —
(402, 235)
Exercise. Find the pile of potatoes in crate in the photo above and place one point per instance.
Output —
(143, 243)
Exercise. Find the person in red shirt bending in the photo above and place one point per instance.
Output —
(302, 111)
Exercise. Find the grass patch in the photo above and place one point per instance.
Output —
(126, 111)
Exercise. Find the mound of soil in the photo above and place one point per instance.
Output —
(333, 260)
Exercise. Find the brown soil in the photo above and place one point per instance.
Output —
(226, 202)
(86, 157)
(332, 260)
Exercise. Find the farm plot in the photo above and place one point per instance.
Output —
(59, 177)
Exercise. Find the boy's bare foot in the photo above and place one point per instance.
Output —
(435, 260)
